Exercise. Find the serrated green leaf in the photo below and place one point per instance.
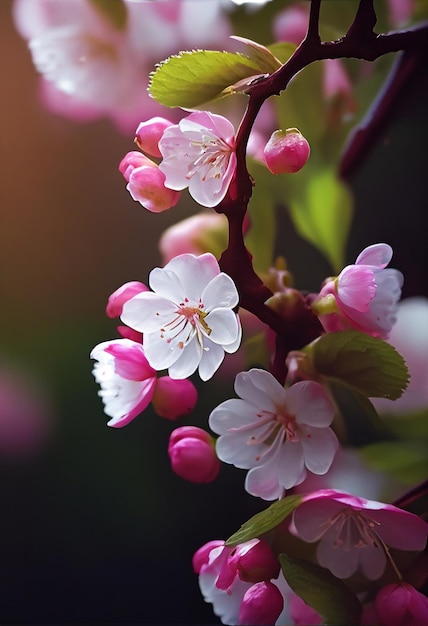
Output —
(372, 366)
(190, 79)
(325, 593)
(363, 424)
(320, 206)
(404, 461)
(114, 10)
(265, 520)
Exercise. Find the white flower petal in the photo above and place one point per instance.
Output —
(232, 413)
(223, 326)
(220, 292)
(167, 284)
(260, 389)
(187, 361)
(195, 272)
(262, 481)
(308, 402)
(291, 469)
(332, 556)
(211, 359)
(147, 312)
(232, 448)
(160, 355)
(319, 448)
(230, 348)
(379, 255)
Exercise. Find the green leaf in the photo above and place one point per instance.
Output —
(282, 50)
(405, 461)
(370, 365)
(320, 206)
(363, 424)
(193, 78)
(265, 520)
(325, 593)
(114, 10)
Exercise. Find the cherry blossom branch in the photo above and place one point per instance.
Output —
(359, 42)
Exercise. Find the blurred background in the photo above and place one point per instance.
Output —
(94, 526)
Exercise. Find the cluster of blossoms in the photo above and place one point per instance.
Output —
(285, 430)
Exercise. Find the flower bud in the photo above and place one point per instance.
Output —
(146, 185)
(149, 133)
(261, 604)
(122, 295)
(401, 605)
(133, 160)
(203, 232)
(173, 398)
(286, 152)
(257, 562)
(192, 454)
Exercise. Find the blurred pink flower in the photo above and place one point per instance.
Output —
(203, 232)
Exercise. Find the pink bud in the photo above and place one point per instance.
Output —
(401, 605)
(286, 152)
(122, 295)
(192, 454)
(257, 563)
(149, 133)
(291, 24)
(173, 398)
(133, 160)
(203, 232)
(262, 604)
(146, 185)
(201, 556)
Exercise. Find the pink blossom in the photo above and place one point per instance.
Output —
(353, 532)
(203, 232)
(301, 613)
(400, 604)
(149, 133)
(127, 381)
(364, 295)
(199, 153)
(291, 24)
(222, 587)
(262, 604)
(188, 319)
(276, 433)
(192, 454)
(174, 398)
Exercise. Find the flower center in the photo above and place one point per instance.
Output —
(354, 530)
(214, 154)
(190, 320)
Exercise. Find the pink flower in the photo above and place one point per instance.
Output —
(291, 24)
(199, 153)
(127, 381)
(146, 183)
(188, 319)
(277, 433)
(174, 398)
(222, 586)
(353, 532)
(192, 454)
(364, 296)
(204, 232)
(400, 604)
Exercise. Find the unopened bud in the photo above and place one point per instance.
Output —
(192, 454)
(261, 604)
(122, 295)
(286, 152)
(147, 186)
(149, 133)
(257, 563)
(174, 398)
